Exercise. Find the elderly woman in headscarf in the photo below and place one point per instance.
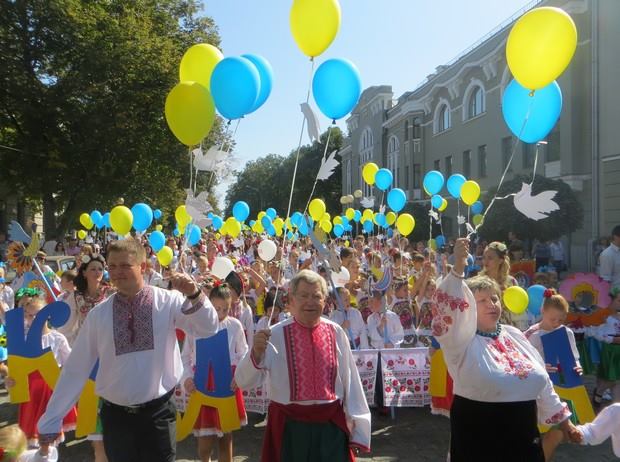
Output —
(501, 387)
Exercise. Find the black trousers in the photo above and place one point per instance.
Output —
(491, 432)
(147, 434)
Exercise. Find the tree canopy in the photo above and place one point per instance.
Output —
(82, 102)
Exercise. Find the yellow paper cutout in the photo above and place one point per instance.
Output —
(87, 410)
(226, 408)
(20, 368)
(439, 375)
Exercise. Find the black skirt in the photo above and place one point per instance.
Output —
(490, 432)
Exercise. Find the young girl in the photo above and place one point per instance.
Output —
(13, 447)
(40, 393)
(351, 321)
(425, 315)
(609, 368)
(405, 308)
(207, 427)
(270, 318)
(67, 282)
(384, 328)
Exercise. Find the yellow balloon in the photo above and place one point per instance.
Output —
(349, 213)
(368, 213)
(278, 223)
(121, 219)
(258, 227)
(347, 243)
(326, 226)
(540, 46)
(432, 243)
(326, 216)
(82, 234)
(314, 24)
(390, 217)
(369, 171)
(158, 227)
(279, 232)
(190, 112)
(316, 209)
(86, 221)
(516, 299)
(218, 235)
(165, 256)
(477, 220)
(405, 224)
(182, 216)
(470, 192)
(444, 204)
(357, 194)
(344, 200)
(233, 227)
(261, 215)
(198, 62)
(337, 220)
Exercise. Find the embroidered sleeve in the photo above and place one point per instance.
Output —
(559, 416)
(191, 306)
(551, 410)
(454, 314)
(198, 318)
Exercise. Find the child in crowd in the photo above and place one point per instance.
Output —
(7, 297)
(406, 310)
(609, 367)
(207, 427)
(384, 328)
(13, 447)
(66, 282)
(272, 302)
(40, 393)
(351, 321)
(427, 287)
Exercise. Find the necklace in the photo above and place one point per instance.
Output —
(493, 334)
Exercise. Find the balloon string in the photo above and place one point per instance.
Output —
(535, 164)
(501, 181)
(290, 197)
(458, 216)
(191, 166)
(316, 180)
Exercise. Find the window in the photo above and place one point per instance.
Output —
(407, 177)
(448, 170)
(553, 147)
(416, 129)
(366, 155)
(406, 130)
(467, 163)
(392, 158)
(438, 165)
(506, 151)
(529, 153)
(476, 103)
(482, 160)
(348, 177)
(417, 172)
(443, 123)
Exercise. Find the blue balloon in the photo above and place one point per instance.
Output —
(235, 85)
(368, 226)
(157, 214)
(142, 217)
(536, 295)
(336, 87)
(106, 220)
(193, 235)
(542, 110)
(296, 219)
(345, 221)
(303, 228)
(271, 230)
(396, 199)
(209, 215)
(241, 211)
(348, 228)
(338, 230)
(176, 232)
(477, 207)
(157, 239)
(97, 218)
(436, 201)
(440, 241)
(383, 179)
(252, 222)
(271, 213)
(390, 232)
(357, 216)
(217, 222)
(454, 185)
(433, 182)
(380, 219)
(289, 235)
(265, 73)
(265, 221)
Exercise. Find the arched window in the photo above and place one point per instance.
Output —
(366, 155)
(443, 119)
(392, 158)
(475, 106)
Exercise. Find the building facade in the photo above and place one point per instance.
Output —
(453, 123)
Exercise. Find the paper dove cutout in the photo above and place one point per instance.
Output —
(382, 209)
(313, 122)
(197, 207)
(535, 207)
(460, 219)
(327, 167)
(470, 229)
(368, 202)
(208, 162)
(433, 215)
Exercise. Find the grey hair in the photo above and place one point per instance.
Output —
(309, 277)
(479, 283)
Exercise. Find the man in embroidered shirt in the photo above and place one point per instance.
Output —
(318, 411)
(132, 333)
(610, 260)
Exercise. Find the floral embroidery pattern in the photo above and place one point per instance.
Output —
(559, 416)
(453, 302)
(507, 356)
(312, 361)
(133, 322)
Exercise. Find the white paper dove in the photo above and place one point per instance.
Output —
(368, 202)
(327, 167)
(382, 209)
(460, 219)
(470, 229)
(197, 207)
(433, 215)
(208, 162)
(312, 121)
(535, 207)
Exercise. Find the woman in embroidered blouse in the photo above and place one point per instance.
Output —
(498, 376)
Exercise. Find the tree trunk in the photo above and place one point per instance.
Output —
(49, 217)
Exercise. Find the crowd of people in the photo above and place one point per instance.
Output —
(140, 322)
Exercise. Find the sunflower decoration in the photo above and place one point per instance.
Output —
(19, 256)
(16, 257)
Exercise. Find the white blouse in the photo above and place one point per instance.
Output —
(534, 334)
(505, 369)
(310, 366)
(607, 331)
(356, 332)
(395, 333)
(58, 344)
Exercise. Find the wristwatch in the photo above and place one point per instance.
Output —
(195, 295)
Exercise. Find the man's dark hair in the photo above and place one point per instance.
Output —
(616, 231)
(346, 252)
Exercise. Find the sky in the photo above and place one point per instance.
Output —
(392, 42)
